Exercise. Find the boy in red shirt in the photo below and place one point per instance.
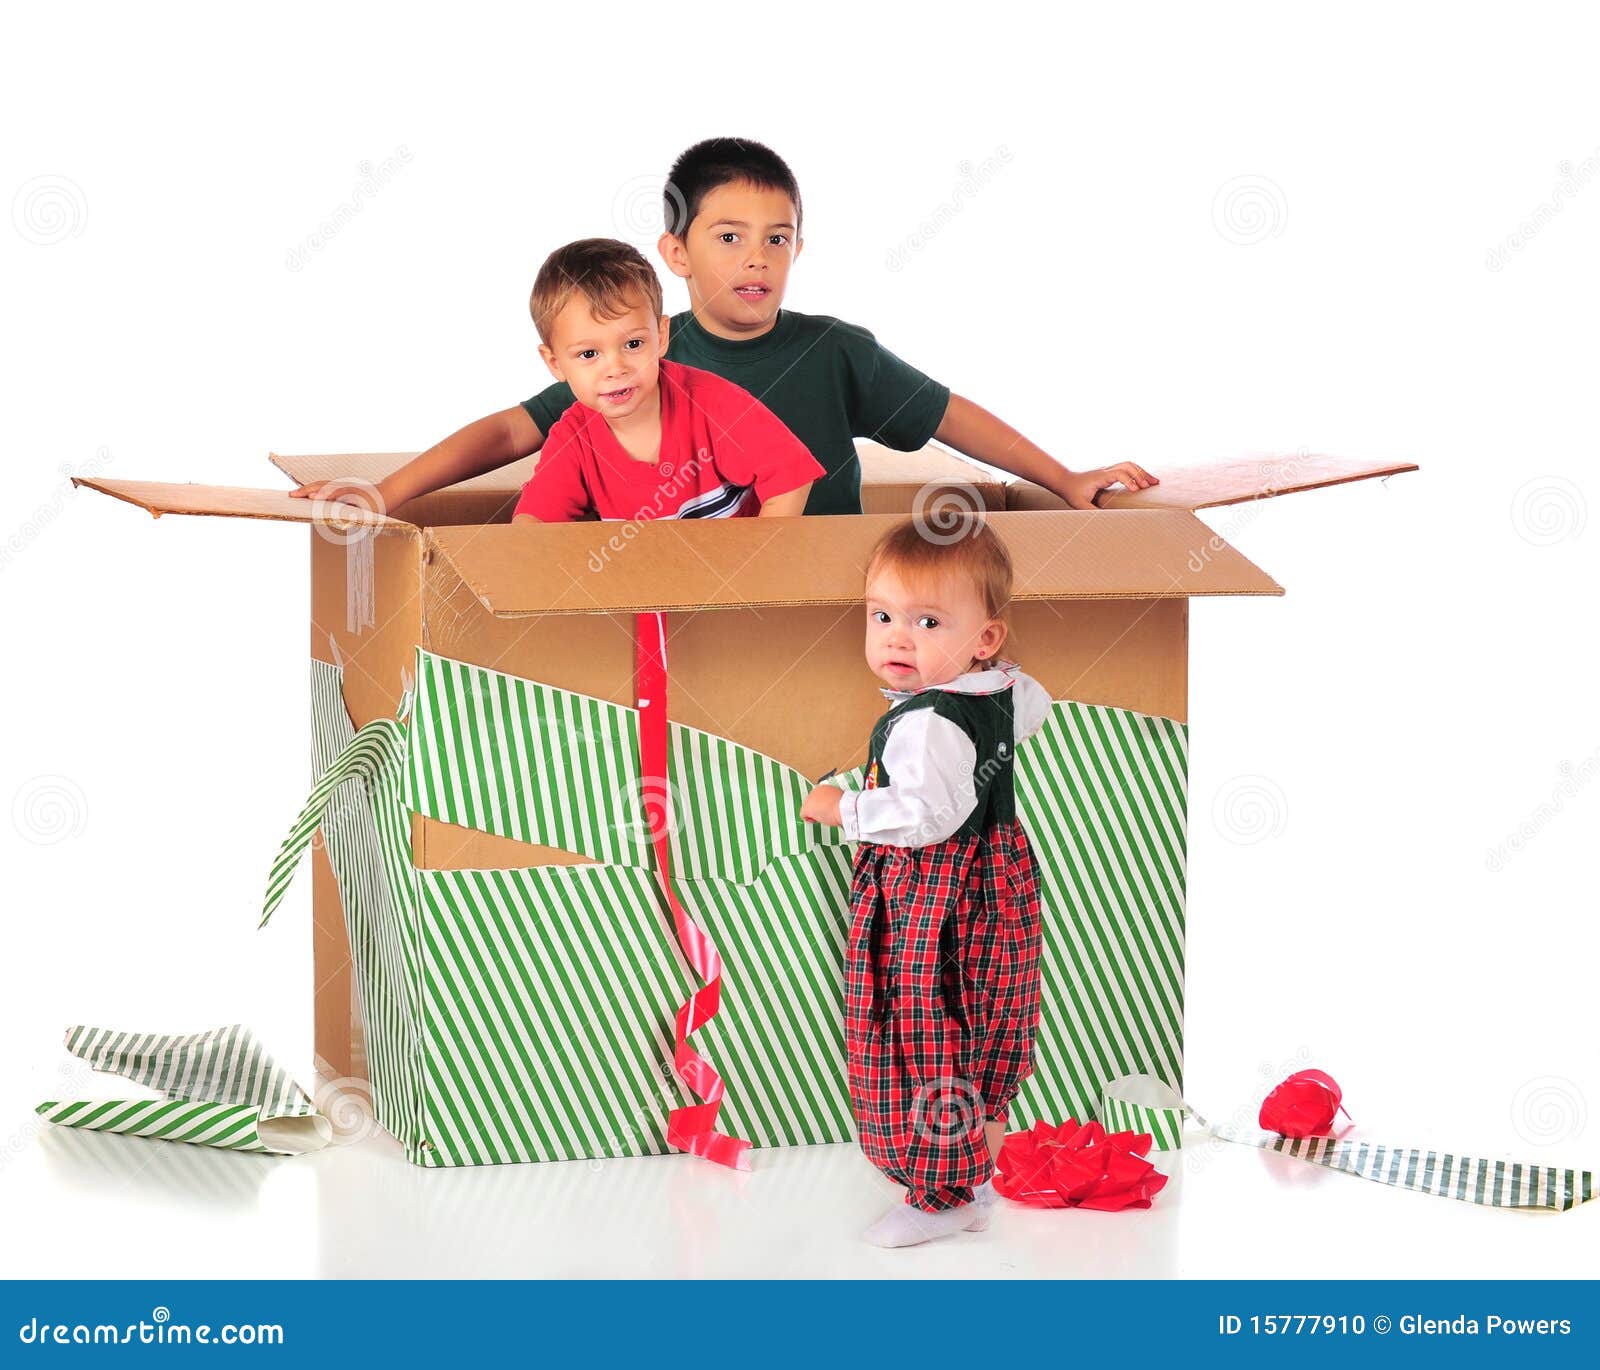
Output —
(645, 438)
(732, 217)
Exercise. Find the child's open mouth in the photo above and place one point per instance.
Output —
(618, 396)
(754, 293)
(900, 667)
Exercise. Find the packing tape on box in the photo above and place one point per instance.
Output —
(1141, 1103)
(360, 575)
(218, 1088)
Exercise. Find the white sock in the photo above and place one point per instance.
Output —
(986, 1193)
(907, 1225)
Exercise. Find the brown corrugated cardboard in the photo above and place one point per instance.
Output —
(1235, 481)
(227, 501)
(582, 568)
(764, 619)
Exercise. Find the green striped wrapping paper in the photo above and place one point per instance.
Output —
(526, 1014)
(1141, 1104)
(218, 1088)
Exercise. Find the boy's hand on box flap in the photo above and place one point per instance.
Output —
(1080, 487)
(362, 494)
(822, 805)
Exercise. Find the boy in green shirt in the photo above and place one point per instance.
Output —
(733, 222)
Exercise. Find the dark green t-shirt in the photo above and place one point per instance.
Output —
(830, 382)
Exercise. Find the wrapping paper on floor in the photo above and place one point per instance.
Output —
(218, 1088)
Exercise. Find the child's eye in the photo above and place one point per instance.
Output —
(588, 354)
(729, 238)
(778, 239)
(927, 621)
(878, 616)
(634, 343)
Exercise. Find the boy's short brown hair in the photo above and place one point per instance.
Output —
(606, 272)
(939, 544)
(718, 162)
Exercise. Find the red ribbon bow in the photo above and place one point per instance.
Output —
(1303, 1105)
(1077, 1166)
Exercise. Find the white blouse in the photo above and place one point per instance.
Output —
(930, 761)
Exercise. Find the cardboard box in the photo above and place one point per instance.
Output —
(489, 949)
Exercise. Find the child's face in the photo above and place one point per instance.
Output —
(612, 365)
(736, 257)
(927, 634)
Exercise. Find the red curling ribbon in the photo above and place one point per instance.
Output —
(693, 1127)
(1077, 1165)
(1304, 1105)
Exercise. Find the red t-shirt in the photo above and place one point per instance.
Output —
(723, 453)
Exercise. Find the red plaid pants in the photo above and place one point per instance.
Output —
(941, 1004)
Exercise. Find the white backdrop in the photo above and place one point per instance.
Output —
(1165, 235)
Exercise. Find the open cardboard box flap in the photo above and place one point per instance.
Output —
(229, 501)
(879, 466)
(371, 467)
(1153, 548)
(670, 564)
(1259, 475)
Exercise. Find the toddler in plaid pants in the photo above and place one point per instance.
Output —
(942, 965)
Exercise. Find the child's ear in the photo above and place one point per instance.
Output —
(550, 361)
(664, 332)
(798, 244)
(992, 638)
(672, 251)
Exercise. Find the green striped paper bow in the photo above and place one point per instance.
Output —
(1141, 1103)
(218, 1088)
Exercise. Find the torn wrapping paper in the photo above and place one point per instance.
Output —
(528, 1014)
(216, 1088)
(1142, 1104)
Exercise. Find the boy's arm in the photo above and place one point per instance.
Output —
(789, 503)
(976, 433)
(483, 445)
